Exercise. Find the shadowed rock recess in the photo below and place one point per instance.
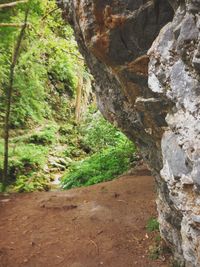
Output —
(145, 57)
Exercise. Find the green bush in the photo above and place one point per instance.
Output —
(45, 137)
(24, 159)
(66, 129)
(98, 133)
(30, 184)
(25, 163)
(100, 167)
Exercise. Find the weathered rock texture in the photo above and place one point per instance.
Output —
(152, 92)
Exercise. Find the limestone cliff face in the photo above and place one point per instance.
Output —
(152, 93)
(174, 71)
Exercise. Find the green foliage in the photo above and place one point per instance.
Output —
(152, 225)
(110, 152)
(44, 137)
(30, 183)
(158, 248)
(48, 64)
(176, 264)
(25, 163)
(45, 82)
(98, 133)
(67, 129)
(154, 252)
(24, 159)
(100, 167)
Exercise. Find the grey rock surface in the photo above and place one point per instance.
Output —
(174, 67)
(152, 92)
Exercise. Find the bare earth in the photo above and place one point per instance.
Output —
(101, 225)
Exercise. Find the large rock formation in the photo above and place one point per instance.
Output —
(151, 91)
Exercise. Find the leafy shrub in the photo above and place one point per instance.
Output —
(30, 184)
(45, 137)
(98, 133)
(24, 159)
(100, 167)
(111, 153)
(66, 129)
(25, 162)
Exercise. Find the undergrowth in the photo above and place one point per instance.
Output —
(111, 155)
(27, 157)
(45, 138)
(152, 225)
(158, 248)
(90, 153)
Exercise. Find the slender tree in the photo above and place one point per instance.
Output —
(9, 92)
(78, 98)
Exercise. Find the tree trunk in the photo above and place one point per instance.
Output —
(78, 99)
(9, 99)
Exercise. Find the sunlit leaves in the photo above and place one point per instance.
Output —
(48, 55)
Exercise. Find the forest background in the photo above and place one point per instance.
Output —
(56, 133)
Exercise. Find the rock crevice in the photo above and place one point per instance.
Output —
(146, 64)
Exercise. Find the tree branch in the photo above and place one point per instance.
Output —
(18, 25)
(12, 4)
(49, 13)
(73, 54)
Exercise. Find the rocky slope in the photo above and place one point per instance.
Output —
(152, 93)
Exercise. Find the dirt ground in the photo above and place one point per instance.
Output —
(101, 225)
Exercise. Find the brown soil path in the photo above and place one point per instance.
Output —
(101, 225)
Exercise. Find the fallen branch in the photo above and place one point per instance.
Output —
(13, 4)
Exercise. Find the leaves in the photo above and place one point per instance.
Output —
(113, 155)
(48, 64)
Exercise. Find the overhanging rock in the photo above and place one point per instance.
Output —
(151, 92)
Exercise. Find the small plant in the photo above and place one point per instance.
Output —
(176, 264)
(154, 252)
(158, 249)
(152, 225)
